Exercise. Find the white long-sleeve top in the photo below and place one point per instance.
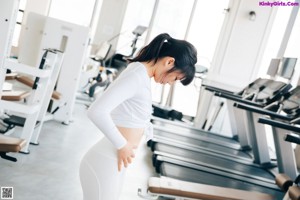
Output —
(127, 102)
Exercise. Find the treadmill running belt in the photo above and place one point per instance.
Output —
(205, 159)
(179, 128)
(203, 144)
(191, 175)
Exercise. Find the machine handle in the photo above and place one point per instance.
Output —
(262, 111)
(292, 139)
(279, 124)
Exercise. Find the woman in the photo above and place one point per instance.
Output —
(123, 113)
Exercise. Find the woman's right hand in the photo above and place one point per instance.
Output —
(125, 155)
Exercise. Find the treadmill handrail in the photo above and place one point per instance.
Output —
(262, 111)
(280, 124)
(292, 139)
(238, 99)
(216, 89)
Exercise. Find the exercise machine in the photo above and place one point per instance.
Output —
(167, 157)
(192, 135)
(30, 115)
(72, 40)
(186, 162)
(280, 69)
(45, 72)
(285, 110)
(119, 61)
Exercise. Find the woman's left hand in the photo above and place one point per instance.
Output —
(125, 155)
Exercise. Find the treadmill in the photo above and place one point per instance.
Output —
(170, 133)
(279, 68)
(286, 110)
(212, 178)
(190, 166)
(217, 161)
(168, 164)
(247, 125)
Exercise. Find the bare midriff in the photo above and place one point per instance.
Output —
(132, 135)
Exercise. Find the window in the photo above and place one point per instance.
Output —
(204, 33)
(74, 11)
(172, 16)
(275, 37)
(15, 40)
(137, 13)
(292, 49)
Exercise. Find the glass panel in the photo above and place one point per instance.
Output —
(20, 17)
(293, 50)
(275, 38)
(204, 33)
(15, 40)
(138, 13)
(172, 17)
(74, 11)
(205, 28)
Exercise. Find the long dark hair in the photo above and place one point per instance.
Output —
(184, 53)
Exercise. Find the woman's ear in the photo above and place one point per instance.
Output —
(170, 61)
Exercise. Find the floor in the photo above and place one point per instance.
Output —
(50, 171)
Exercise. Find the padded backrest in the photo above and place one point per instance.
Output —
(11, 144)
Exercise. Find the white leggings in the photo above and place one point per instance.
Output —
(99, 175)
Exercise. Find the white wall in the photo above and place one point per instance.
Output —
(237, 58)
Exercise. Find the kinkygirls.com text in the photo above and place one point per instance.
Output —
(278, 3)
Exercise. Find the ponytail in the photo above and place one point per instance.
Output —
(153, 49)
(184, 53)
